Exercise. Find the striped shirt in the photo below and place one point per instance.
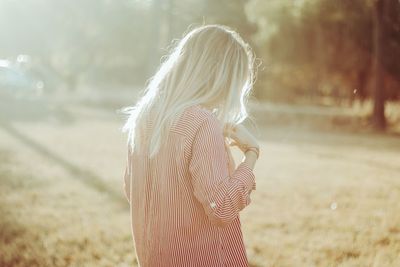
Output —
(185, 202)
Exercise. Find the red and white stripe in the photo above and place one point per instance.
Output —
(185, 202)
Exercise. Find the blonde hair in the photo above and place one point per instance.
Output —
(211, 66)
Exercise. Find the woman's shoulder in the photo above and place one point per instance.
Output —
(194, 117)
(200, 115)
(200, 112)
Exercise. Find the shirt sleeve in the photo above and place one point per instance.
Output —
(222, 195)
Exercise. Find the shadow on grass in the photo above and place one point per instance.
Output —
(84, 175)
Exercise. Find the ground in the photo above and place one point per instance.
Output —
(324, 197)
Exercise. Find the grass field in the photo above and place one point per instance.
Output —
(324, 197)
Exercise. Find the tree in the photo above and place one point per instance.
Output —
(378, 115)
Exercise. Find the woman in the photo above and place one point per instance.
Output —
(184, 191)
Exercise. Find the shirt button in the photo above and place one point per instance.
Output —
(213, 205)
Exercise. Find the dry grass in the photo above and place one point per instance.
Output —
(323, 198)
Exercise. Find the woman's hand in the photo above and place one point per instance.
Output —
(241, 136)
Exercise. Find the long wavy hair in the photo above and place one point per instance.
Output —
(211, 66)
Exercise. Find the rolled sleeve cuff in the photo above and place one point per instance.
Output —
(247, 176)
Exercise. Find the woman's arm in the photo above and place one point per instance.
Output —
(222, 195)
(250, 157)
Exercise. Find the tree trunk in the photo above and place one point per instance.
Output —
(378, 115)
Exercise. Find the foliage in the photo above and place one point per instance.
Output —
(324, 47)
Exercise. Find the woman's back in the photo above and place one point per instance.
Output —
(185, 201)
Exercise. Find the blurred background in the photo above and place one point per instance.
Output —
(325, 106)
